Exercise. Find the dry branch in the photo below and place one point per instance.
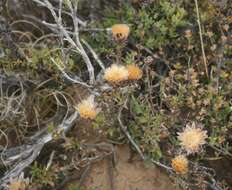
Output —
(26, 154)
(74, 39)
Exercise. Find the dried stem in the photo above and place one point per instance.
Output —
(201, 38)
(24, 155)
(131, 140)
(64, 32)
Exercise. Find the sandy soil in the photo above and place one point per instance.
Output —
(127, 175)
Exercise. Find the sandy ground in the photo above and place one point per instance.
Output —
(127, 175)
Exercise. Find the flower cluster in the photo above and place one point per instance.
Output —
(180, 164)
(192, 138)
(88, 108)
(118, 73)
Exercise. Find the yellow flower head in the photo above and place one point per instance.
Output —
(120, 31)
(135, 73)
(180, 164)
(17, 184)
(116, 73)
(88, 108)
(192, 138)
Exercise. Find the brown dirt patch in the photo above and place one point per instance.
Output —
(127, 175)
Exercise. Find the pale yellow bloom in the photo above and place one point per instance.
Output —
(180, 164)
(192, 138)
(120, 31)
(17, 184)
(135, 73)
(88, 108)
(116, 73)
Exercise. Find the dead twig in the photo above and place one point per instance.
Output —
(100, 63)
(74, 39)
(28, 153)
(201, 38)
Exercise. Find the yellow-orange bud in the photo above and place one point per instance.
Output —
(135, 73)
(180, 164)
(120, 31)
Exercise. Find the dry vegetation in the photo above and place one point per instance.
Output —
(93, 90)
